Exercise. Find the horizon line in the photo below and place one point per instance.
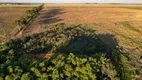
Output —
(60, 3)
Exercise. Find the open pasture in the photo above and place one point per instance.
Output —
(79, 28)
(8, 14)
(122, 22)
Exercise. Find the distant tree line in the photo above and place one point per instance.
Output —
(30, 14)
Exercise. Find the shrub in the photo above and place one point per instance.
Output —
(5, 46)
(92, 59)
(27, 76)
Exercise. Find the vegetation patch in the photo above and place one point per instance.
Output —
(77, 54)
(27, 19)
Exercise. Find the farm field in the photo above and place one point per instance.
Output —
(123, 22)
(8, 14)
(76, 41)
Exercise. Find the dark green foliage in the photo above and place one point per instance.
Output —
(29, 15)
(140, 57)
(92, 58)
(25, 39)
(59, 67)
(122, 66)
(4, 46)
(27, 76)
(23, 21)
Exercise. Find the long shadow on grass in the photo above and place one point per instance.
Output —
(50, 16)
(108, 39)
(86, 42)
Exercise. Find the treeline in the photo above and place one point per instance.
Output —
(85, 57)
(30, 14)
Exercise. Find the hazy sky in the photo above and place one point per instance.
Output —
(75, 1)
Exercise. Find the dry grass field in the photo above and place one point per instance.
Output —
(122, 22)
(120, 26)
(8, 14)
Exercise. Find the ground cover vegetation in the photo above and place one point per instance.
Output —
(77, 53)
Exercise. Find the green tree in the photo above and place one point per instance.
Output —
(27, 76)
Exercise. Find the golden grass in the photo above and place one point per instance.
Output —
(122, 21)
(90, 5)
(8, 14)
(18, 6)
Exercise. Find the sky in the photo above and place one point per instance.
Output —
(74, 1)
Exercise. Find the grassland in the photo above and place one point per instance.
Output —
(117, 25)
(121, 21)
(8, 14)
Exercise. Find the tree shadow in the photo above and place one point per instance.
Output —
(109, 39)
(87, 43)
(50, 16)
